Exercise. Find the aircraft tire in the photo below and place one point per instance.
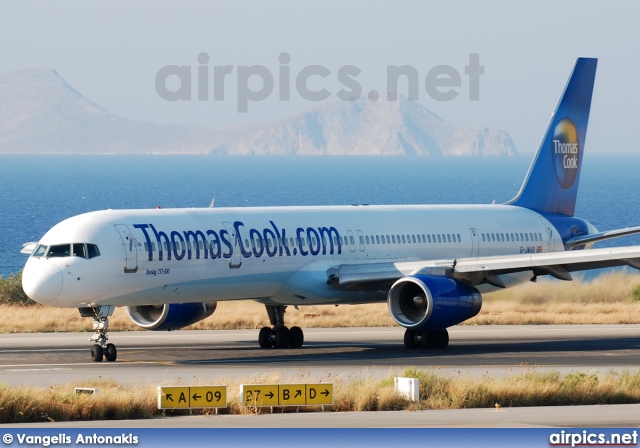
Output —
(282, 337)
(111, 353)
(410, 339)
(427, 340)
(97, 353)
(441, 339)
(264, 337)
(296, 337)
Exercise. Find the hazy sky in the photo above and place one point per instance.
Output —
(111, 52)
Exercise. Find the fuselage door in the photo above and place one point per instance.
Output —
(352, 241)
(475, 243)
(236, 256)
(130, 247)
(361, 240)
(547, 235)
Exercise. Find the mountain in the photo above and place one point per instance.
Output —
(40, 113)
(366, 128)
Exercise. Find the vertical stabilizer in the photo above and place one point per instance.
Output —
(552, 182)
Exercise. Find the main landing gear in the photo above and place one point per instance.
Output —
(100, 349)
(279, 336)
(438, 339)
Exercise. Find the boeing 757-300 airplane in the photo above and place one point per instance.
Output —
(430, 263)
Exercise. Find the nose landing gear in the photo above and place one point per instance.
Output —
(100, 349)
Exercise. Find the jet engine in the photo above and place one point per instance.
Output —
(170, 316)
(427, 302)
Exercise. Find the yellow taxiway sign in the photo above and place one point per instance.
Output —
(258, 395)
(189, 397)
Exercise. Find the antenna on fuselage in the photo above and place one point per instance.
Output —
(212, 202)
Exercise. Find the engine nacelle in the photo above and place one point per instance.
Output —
(426, 302)
(170, 317)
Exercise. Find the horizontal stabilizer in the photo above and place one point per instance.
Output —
(601, 236)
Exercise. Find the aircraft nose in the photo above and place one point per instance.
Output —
(41, 281)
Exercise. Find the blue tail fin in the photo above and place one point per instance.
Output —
(552, 183)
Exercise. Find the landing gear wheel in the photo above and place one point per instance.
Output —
(282, 337)
(296, 337)
(99, 348)
(110, 354)
(427, 340)
(96, 353)
(410, 341)
(441, 339)
(264, 337)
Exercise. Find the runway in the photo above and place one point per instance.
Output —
(214, 357)
(144, 357)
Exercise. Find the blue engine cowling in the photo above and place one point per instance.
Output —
(170, 316)
(426, 302)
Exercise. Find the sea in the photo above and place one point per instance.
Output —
(38, 191)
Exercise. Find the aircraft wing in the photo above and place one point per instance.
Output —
(481, 270)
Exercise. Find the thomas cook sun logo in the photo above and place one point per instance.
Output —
(565, 152)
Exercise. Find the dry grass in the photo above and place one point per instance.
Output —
(532, 388)
(59, 403)
(609, 299)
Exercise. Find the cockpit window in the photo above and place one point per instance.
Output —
(79, 250)
(92, 251)
(66, 250)
(40, 250)
(61, 250)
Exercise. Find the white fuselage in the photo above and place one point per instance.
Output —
(277, 255)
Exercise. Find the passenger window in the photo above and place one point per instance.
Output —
(439, 239)
(459, 239)
(413, 238)
(61, 250)
(367, 239)
(404, 241)
(429, 238)
(377, 239)
(393, 239)
(448, 237)
(92, 251)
